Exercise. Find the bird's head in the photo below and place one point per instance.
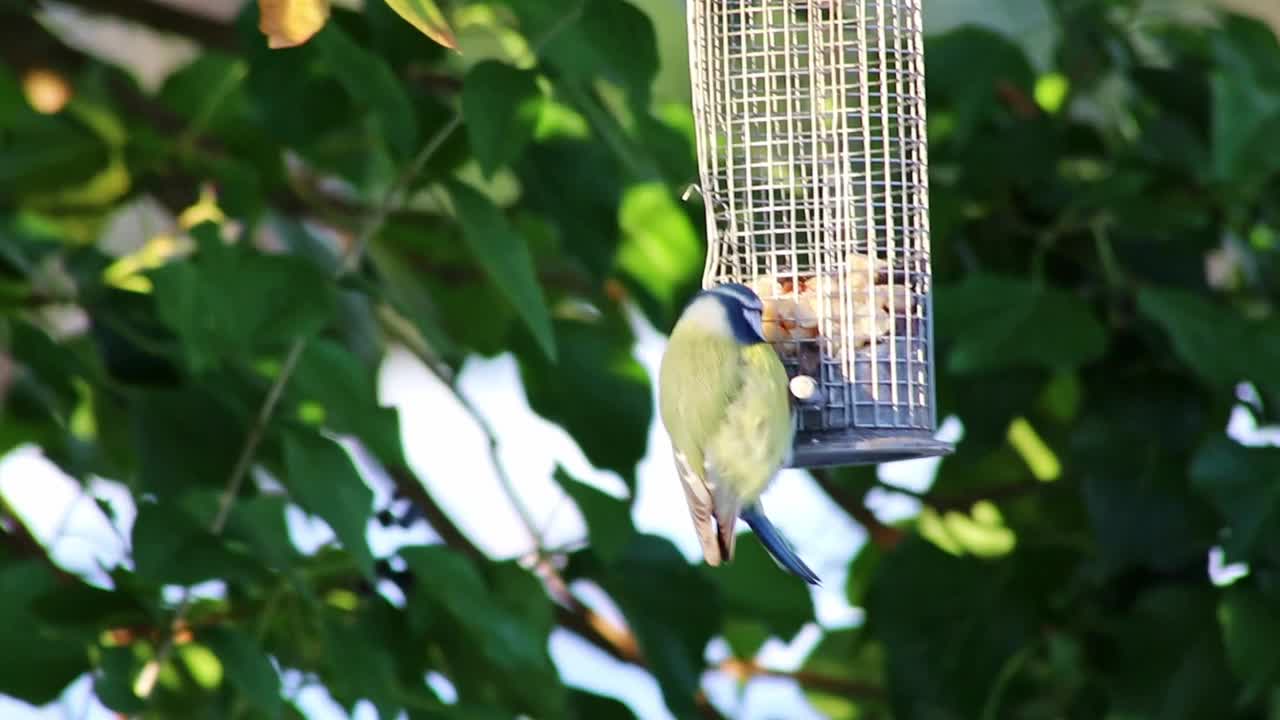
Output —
(733, 310)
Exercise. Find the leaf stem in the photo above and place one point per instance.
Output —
(991, 709)
(1106, 254)
(504, 479)
(238, 472)
(391, 197)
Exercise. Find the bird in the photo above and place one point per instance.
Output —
(723, 400)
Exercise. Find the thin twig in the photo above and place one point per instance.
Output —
(964, 501)
(852, 689)
(391, 197)
(887, 487)
(504, 479)
(882, 536)
(238, 472)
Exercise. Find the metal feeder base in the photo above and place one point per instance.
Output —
(862, 446)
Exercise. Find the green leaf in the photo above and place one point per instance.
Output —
(994, 322)
(260, 522)
(754, 587)
(184, 439)
(1130, 453)
(589, 706)
(12, 100)
(357, 664)
(966, 66)
(43, 154)
(1182, 675)
(576, 185)
(506, 260)
(113, 680)
(510, 634)
(229, 301)
(598, 392)
(1246, 101)
(373, 84)
(1027, 23)
(323, 480)
(426, 16)
(403, 289)
(89, 608)
(208, 89)
(1250, 631)
(608, 518)
(521, 593)
(171, 548)
(501, 105)
(661, 251)
(39, 659)
(1221, 346)
(604, 38)
(333, 377)
(1242, 115)
(854, 658)
(1244, 486)
(247, 667)
(745, 637)
(672, 608)
(307, 108)
(947, 625)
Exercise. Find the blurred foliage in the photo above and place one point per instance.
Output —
(1106, 243)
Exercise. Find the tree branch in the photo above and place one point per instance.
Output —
(883, 536)
(963, 501)
(852, 689)
(411, 487)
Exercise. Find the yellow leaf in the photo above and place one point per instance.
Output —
(205, 208)
(126, 273)
(426, 16)
(289, 23)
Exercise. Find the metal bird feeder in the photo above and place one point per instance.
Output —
(810, 119)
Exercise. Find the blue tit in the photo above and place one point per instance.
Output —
(724, 401)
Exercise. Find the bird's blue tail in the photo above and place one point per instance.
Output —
(777, 545)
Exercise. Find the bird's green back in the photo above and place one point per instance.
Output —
(729, 401)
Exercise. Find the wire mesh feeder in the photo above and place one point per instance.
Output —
(813, 168)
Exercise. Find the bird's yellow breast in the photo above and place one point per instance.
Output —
(757, 432)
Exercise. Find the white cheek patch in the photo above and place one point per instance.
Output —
(753, 319)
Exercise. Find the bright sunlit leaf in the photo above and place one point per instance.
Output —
(1051, 91)
(203, 665)
(127, 272)
(426, 16)
(343, 600)
(982, 532)
(204, 209)
(1035, 453)
(83, 425)
(661, 250)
